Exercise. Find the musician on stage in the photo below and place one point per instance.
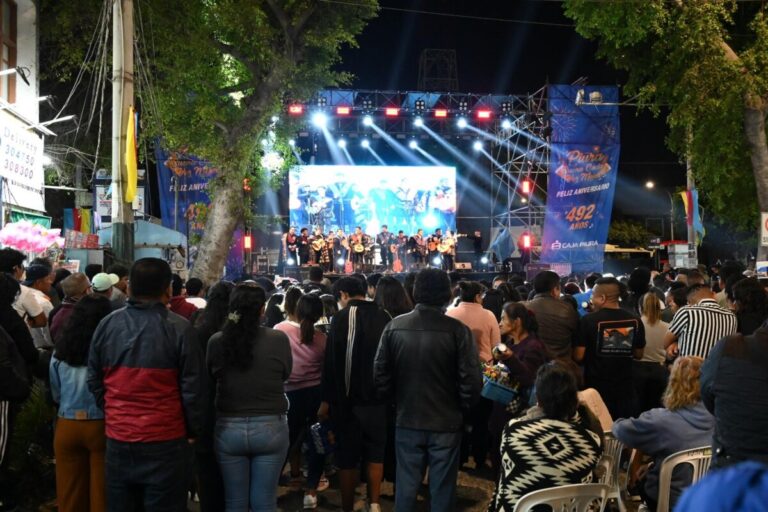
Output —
(290, 244)
(384, 239)
(357, 244)
(433, 242)
(448, 251)
(477, 246)
(340, 250)
(402, 246)
(317, 244)
(417, 248)
(303, 243)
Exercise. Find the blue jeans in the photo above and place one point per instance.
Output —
(153, 477)
(251, 452)
(418, 449)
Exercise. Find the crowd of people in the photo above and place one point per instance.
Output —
(166, 389)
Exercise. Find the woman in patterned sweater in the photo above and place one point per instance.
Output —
(558, 448)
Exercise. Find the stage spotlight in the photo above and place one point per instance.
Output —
(506, 124)
(418, 122)
(365, 143)
(461, 122)
(340, 261)
(484, 260)
(413, 144)
(367, 121)
(437, 261)
(342, 143)
(290, 261)
(292, 143)
(477, 146)
(319, 119)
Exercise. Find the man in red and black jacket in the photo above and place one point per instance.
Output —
(146, 371)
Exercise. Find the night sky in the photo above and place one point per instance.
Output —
(514, 58)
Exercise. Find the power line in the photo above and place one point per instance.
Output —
(453, 15)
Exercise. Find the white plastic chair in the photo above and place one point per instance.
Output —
(566, 498)
(698, 458)
(613, 448)
(605, 469)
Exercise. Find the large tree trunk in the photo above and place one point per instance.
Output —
(754, 130)
(219, 228)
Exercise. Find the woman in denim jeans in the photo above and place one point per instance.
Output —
(249, 364)
(79, 442)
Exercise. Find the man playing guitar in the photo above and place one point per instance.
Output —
(317, 242)
(290, 241)
(448, 249)
(358, 245)
(433, 243)
(384, 239)
(417, 248)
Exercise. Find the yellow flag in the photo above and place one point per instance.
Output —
(131, 172)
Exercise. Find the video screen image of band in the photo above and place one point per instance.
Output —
(345, 196)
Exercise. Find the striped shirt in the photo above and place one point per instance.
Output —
(699, 327)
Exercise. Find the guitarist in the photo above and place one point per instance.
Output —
(384, 239)
(303, 243)
(290, 244)
(417, 248)
(340, 250)
(449, 250)
(357, 242)
(317, 243)
(434, 241)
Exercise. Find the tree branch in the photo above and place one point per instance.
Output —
(234, 52)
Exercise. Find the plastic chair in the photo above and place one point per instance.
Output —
(566, 498)
(613, 448)
(604, 469)
(698, 458)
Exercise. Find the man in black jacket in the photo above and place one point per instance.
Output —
(429, 363)
(349, 394)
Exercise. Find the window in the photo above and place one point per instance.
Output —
(8, 49)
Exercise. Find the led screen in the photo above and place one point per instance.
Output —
(345, 196)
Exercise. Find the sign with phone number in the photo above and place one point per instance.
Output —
(21, 165)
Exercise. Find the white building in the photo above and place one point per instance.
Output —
(21, 136)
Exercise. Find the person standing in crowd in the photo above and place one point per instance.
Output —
(178, 303)
(196, 292)
(485, 331)
(582, 299)
(38, 284)
(558, 322)
(610, 338)
(349, 395)
(638, 285)
(209, 321)
(75, 287)
(696, 328)
(303, 387)
(79, 443)
(649, 373)
(145, 371)
(429, 364)
(371, 282)
(249, 364)
(532, 464)
(683, 423)
(392, 297)
(120, 291)
(92, 269)
(315, 281)
(734, 390)
(750, 304)
(104, 285)
(523, 354)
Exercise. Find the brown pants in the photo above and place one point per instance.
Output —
(79, 447)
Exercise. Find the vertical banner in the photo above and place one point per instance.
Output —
(584, 159)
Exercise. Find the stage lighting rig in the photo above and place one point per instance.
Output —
(342, 143)
(477, 145)
(296, 109)
(418, 122)
(365, 143)
(319, 120)
(413, 144)
(506, 124)
(322, 102)
(420, 105)
(461, 122)
(441, 113)
(367, 121)
(463, 105)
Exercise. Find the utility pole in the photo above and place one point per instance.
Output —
(693, 258)
(122, 99)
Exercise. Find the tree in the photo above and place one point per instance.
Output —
(628, 233)
(221, 70)
(703, 64)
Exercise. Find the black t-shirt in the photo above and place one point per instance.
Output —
(610, 336)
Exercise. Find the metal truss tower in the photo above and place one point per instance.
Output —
(438, 71)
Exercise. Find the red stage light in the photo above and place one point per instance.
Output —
(392, 112)
(343, 111)
(296, 109)
(526, 241)
(527, 187)
(441, 112)
(247, 242)
(483, 114)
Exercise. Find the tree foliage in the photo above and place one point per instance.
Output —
(701, 63)
(628, 233)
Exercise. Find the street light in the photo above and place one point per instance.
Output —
(650, 185)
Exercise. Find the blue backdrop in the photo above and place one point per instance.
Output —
(582, 177)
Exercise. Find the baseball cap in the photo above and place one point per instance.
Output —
(35, 272)
(102, 282)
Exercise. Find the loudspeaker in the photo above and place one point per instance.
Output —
(464, 266)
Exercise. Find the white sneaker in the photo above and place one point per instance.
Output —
(373, 507)
(310, 502)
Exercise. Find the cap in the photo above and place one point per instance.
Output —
(36, 272)
(102, 282)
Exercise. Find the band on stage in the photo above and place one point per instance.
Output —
(338, 252)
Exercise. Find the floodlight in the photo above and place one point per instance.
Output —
(418, 122)
(290, 261)
(340, 261)
(342, 143)
(461, 122)
(368, 121)
(413, 144)
(506, 124)
(319, 119)
(477, 146)
(365, 143)
(436, 261)
(484, 260)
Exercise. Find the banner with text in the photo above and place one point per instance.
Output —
(584, 160)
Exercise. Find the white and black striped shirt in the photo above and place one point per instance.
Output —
(699, 327)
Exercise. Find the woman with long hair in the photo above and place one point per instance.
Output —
(392, 297)
(649, 374)
(683, 423)
(79, 442)
(750, 303)
(249, 364)
(303, 387)
(209, 321)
